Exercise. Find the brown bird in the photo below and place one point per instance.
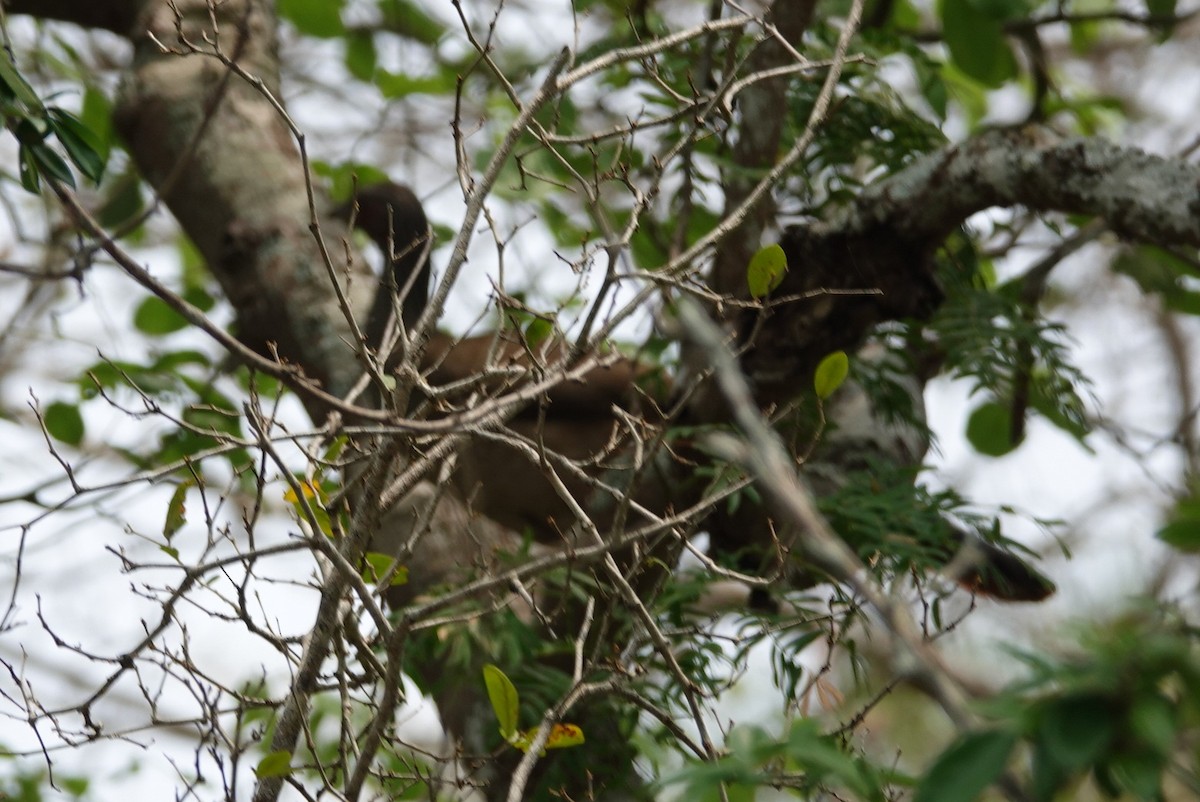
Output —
(579, 420)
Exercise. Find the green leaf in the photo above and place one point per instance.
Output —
(1183, 535)
(830, 374)
(1153, 721)
(64, 422)
(320, 18)
(503, 696)
(989, 430)
(27, 168)
(122, 201)
(398, 84)
(378, 564)
(51, 165)
(177, 510)
(1077, 730)
(969, 766)
(1183, 530)
(82, 145)
(17, 85)
(409, 20)
(276, 764)
(153, 316)
(766, 270)
(96, 115)
(1140, 774)
(976, 42)
(360, 54)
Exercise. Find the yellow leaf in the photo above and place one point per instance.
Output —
(308, 487)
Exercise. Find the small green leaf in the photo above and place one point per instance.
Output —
(989, 430)
(409, 20)
(176, 510)
(360, 54)
(1183, 531)
(27, 168)
(830, 374)
(537, 331)
(320, 18)
(766, 270)
(378, 565)
(503, 696)
(276, 764)
(64, 422)
(968, 767)
(153, 316)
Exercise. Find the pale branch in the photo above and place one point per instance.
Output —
(887, 237)
(1142, 197)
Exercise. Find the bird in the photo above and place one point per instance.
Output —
(588, 422)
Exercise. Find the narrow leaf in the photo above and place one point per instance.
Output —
(80, 143)
(176, 510)
(503, 696)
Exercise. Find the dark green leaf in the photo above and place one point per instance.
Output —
(28, 168)
(989, 430)
(1077, 730)
(153, 316)
(1183, 535)
(51, 165)
(968, 767)
(976, 42)
(80, 143)
(64, 422)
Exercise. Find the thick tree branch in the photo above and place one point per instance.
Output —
(886, 239)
